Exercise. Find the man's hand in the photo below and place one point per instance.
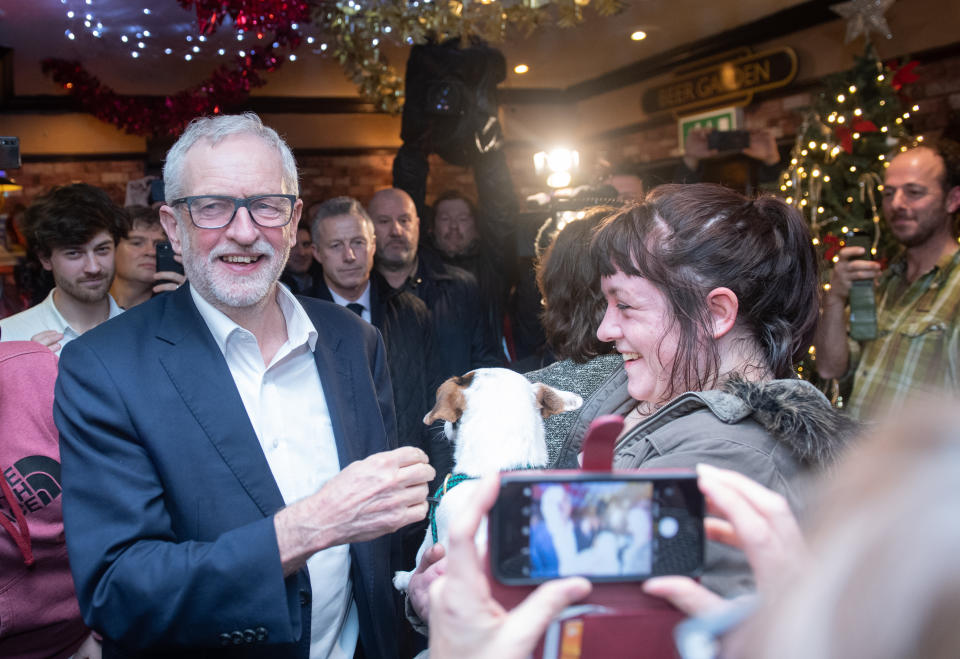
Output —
(49, 338)
(763, 147)
(751, 517)
(167, 280)
(367, 499)
(849, 269)
(696, 148)
(430, 567)
(466, 622)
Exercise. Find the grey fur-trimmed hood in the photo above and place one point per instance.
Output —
(792, 410)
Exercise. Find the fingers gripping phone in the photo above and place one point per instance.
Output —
(608, 527)
(165, 260)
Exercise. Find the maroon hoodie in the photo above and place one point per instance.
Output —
(39, 616)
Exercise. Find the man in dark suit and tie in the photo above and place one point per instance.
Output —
(231, 476)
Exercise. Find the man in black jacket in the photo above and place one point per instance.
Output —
(462, 337)
(344, 244)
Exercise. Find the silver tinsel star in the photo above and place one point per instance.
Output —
(864, 17)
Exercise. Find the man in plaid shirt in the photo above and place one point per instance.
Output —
(918, 297)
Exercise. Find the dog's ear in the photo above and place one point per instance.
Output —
(450, 402)
(552, 401)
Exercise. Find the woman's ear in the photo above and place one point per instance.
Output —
(723, 306)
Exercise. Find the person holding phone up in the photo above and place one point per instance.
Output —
(917, 347)
(146, 263)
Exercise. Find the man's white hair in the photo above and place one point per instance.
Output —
(213, 130)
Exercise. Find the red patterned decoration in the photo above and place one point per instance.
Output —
(167, 115)
(259, 16)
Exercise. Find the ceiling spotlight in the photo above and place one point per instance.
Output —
(520, 69)
(639, 35)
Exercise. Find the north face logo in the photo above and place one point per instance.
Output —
(35, 480)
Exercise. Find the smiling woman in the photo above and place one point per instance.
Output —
(710, 297)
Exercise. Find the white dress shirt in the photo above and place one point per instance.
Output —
(42, 317)
(363, 300)
(288, 411)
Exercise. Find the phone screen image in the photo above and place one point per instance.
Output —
(604, 529)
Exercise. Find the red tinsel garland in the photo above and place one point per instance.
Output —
(228, 84)
(157, 115)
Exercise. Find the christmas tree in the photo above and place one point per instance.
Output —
(857, 123)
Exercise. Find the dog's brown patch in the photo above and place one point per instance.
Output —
(450, 400)
(548, 400)
(465, 380)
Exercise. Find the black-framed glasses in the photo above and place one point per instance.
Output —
(217, 211)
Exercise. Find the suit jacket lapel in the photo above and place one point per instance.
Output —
(336, 377)
(200, 374)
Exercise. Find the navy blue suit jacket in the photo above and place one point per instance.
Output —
(169, 500)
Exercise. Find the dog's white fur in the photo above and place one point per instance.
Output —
(499, 426)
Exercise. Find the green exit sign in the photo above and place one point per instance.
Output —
(729, 118)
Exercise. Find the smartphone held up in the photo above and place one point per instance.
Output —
(165, 260)
(608, 527)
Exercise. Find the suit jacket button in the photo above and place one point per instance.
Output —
(224, 639)
(249, 636)
(304, 598)
(262, 633)
(236, 637)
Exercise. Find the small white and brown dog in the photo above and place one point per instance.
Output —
(494, 417)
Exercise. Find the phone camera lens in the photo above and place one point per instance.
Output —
(668, 527)
(668, 491)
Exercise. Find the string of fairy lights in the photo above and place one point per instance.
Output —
(136, 37)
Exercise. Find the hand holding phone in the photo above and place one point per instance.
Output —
(465, 620)
(745, 515)
(167, 263)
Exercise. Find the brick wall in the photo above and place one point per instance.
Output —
(111, 175)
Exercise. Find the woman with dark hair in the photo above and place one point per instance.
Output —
(569, 282)
(710, 299)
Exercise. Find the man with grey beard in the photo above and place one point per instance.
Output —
(231, 476)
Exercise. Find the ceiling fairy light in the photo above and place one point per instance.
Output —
(160, 33)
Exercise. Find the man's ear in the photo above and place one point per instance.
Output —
(295, 221)
(723, 305)
(953, 199)
(171, 227)
(45, 262)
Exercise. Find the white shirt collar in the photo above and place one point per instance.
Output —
(364, 298)
(63, 325)
(300, 328)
